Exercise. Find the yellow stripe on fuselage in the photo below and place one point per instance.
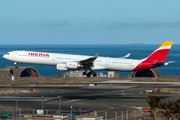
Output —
(167, 43)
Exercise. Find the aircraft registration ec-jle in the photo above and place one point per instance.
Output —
(65, 62)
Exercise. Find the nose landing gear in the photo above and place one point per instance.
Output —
(16, 65)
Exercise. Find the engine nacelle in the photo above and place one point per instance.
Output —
(61, 67)
(72, 65)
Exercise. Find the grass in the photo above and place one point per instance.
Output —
(161, 79)
(164, 91)
(58, 81)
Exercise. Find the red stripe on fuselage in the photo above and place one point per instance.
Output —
(157, 56)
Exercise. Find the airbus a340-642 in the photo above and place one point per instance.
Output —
(65, 62)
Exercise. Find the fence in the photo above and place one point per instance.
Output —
(23, 114)
(107, 115)
(119, 115)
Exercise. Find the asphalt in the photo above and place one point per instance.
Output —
(108, 96)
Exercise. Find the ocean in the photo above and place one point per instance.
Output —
(112, 50)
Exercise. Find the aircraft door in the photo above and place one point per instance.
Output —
(107, 62)
(53, 58)
(14, 55)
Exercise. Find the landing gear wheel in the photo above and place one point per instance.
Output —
(94, 74)
(84, 73)
(89, 74)
(16, 67)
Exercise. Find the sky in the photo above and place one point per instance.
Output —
(89, 21)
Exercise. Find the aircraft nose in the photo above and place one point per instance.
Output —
(4, 56)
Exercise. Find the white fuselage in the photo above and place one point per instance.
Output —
(52, 59)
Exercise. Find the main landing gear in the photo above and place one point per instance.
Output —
(16, 65)
(88, 74)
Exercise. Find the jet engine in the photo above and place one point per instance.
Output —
(68, 66)
(73, 65)
(61, 67)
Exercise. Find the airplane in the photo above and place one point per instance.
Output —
(65, 62)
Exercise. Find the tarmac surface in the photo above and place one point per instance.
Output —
(111, 95)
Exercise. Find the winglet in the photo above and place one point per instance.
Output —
(95, 56)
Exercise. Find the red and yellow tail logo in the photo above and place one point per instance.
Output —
(159, 55)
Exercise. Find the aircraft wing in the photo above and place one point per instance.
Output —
(126, 56)
(89, 60)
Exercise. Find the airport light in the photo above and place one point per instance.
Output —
(145, 110)
(71, 111)
(155, 90)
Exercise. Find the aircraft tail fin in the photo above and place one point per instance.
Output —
(157, 58)
(160, 54)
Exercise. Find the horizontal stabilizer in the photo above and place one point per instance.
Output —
(160, 64)
(171, 61)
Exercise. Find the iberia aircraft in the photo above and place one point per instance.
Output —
(65, 62)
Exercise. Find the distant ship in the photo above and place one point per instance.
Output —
(131, 43)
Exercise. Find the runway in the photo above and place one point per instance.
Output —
(119, 96)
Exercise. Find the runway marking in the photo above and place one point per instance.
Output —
(55, 102)
(134, 82)
(139, 108)
(71, 101)
(12, 98)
